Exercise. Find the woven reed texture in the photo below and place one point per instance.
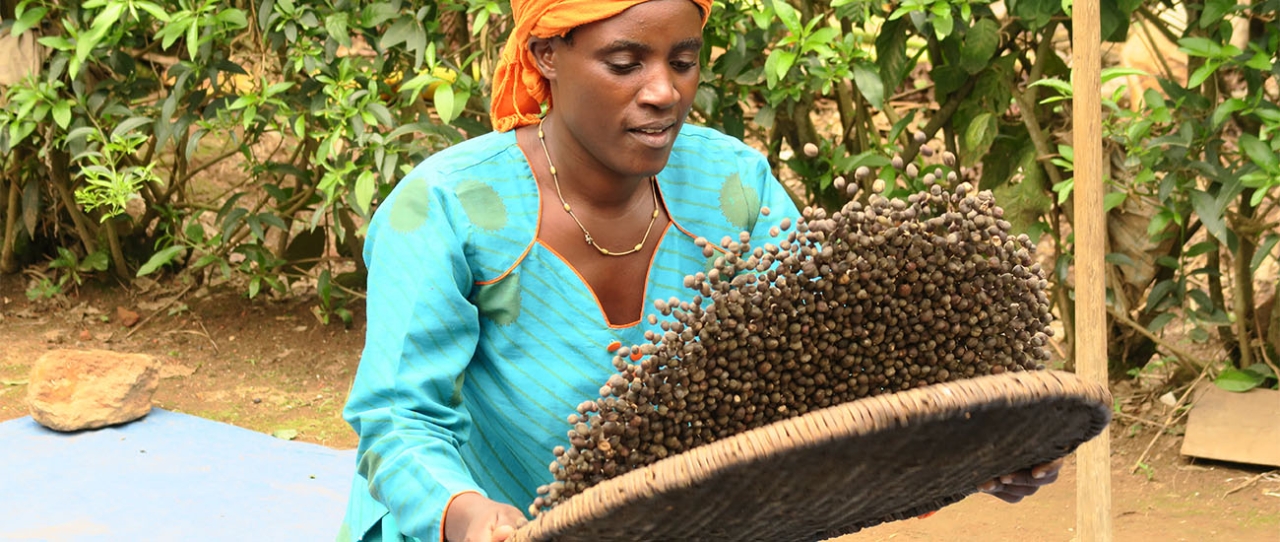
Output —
(843, 468)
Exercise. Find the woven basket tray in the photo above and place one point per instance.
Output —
(843, 468)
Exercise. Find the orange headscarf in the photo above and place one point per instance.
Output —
(518, 87)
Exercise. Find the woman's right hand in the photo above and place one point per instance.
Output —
(474, 518)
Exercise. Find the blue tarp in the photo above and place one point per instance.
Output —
(168, 476)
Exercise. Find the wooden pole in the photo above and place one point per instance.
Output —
(1093, 488)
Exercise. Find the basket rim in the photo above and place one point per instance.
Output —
(863, 417)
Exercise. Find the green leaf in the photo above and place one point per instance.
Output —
(480, 22)
(1159, 292)
(1260, 153)
(790, 17)
(1115, 72)
(381, 113)
(822, 37)
(205, 261)
(398, 33)
(980, 42)
(765, 116)
(777, 65)
(1237, 380)
(272, 220)
(160, 259)
(155, 10)
(232, 18)
(1113, 200)
(1203, 247)
(1198, 46)
(1261, 369)
(366, 184)
(129, 125)
(27, 20)
(1064, 88)
(255, 226)
(443, 100)
(1036, 13)
(891, 53)
(1118, 259)
(1264, 250)
(106, 19)
(1160, 321)
(195, 232)
(1259, 61)
(1206, 207)
(1114, 21)
(870, 85)
(1202, 73)
(1226, 108)
(336, 25)
(56, 42)
(62, 113)
(978, 137)
(1214, 10)
(286, 434)
(94, 262)
(943, 24)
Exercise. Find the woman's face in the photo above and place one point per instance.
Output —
(622, 87)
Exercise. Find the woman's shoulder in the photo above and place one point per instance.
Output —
(711, 143)
(715, 185)
(493, 154)
(481, 191)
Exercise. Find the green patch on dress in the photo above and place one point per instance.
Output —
(740, 204)
(500, 301)
(455, 400)
(370, 461)
(344, 533)
(409, 210)
(483, 205)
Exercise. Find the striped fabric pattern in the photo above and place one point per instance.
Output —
(481, 339)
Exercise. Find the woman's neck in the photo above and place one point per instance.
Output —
(583, 180)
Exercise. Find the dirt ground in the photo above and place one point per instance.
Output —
(269, 365)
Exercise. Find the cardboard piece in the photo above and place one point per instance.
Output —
(1239, 427)
(19, 57)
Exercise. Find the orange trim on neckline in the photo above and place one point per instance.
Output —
(647, 274)
(537, 221)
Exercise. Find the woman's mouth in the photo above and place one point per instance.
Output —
(655, 136)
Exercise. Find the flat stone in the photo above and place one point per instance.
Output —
(72, 390)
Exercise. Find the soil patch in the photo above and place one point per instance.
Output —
(269, 365)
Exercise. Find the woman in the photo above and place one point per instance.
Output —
(503, 268)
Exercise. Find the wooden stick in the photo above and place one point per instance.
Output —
(1173, 418)
(1137, 419)
(157, 311)
(1250, 481)
(1093, 487)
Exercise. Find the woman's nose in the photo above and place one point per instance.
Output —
(659, 89)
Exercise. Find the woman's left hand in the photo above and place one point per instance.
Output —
(1012, 488)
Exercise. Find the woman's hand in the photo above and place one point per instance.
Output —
(473, 518)
(1014, 487)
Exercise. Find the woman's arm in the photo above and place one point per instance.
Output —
(406, 402)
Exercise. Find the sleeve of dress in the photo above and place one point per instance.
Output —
(406, 400)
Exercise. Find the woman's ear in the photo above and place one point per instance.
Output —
(543, 52)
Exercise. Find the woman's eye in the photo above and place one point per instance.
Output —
(622, 67)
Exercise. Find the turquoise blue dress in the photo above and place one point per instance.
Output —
(481, 339)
